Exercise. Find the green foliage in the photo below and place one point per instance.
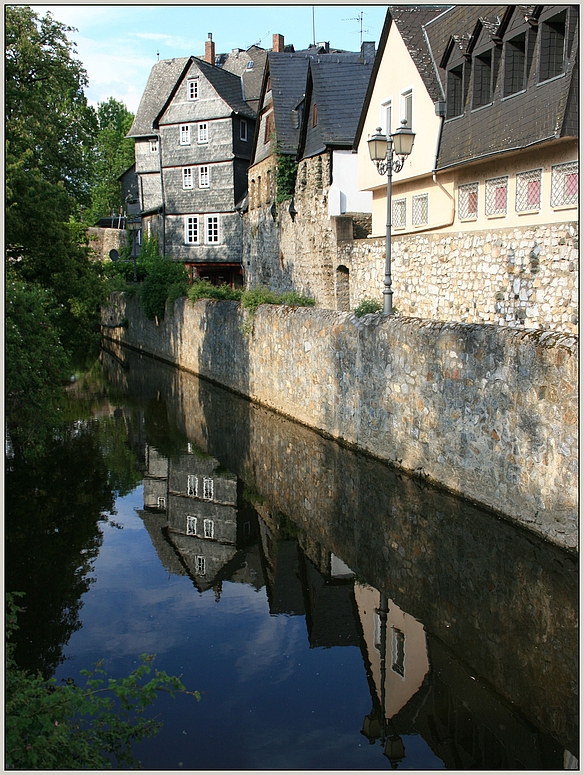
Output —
(166, 277)
(114, 154)
(286, 169)
(71, 727)
(368, 306)
(203, 289)
(36, 363)
(255, 297)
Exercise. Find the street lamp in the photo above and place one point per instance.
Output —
(382, 150)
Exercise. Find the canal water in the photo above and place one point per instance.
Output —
(333, 613)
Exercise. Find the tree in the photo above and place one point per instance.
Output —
(114, 154)
(50, 132)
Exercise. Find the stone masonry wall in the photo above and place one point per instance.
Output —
(487, 412)
(522, 278)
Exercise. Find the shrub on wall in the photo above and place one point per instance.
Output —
(167, 279)
(286, 169)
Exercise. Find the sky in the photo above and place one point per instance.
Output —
(118, 44)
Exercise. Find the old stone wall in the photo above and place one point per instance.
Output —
(512, 277)
(101, 241)
(487, 412)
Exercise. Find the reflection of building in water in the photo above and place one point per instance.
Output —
(201, 521)
(465, 724)
(281, 565)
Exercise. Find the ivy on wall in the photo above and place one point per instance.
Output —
(286, 169)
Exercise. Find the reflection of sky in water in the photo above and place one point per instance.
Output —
(268, 700)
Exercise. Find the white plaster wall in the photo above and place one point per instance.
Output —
(344, 195)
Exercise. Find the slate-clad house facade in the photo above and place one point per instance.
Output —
(194, 131)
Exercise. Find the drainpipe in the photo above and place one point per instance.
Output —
(163, 207)
(440, 110)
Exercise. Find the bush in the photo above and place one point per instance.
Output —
(286, 169)
(368, 306)
(165, 275)
(203, 289)
(69, 727)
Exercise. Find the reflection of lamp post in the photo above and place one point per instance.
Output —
(382, 149)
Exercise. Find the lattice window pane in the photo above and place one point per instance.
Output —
(192, 229)
(420, 209)
(185, 134)
(399, 213)
(191, 525)
(187, 177)
(468, 200)
(212, 228)
(209, 527)
(203, 133)
(204, 177)
(207, 489)
(528, 191)
(565, 184)
(193, 89)
(192, 486)
(496, 196)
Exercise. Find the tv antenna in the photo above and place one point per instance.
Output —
(361, 30)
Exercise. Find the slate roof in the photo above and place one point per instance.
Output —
(288, 72)
(338, 88)
(162, 80)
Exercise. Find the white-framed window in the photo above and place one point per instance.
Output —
(565, 184)
(207, 488)
(385, 117)
(201, 565)
(191, 525)
(154, 146)
(420, 209)
(203, 132)
(398, 652)
(192, 486)
(399, 213)
(191, 229)
(528, 191)
(161, 503)
(249, 65)
(193, 88)
(243, 128)
(496, 196)
(468, 201)
(185, 134)
(407, 107)
(212, 229)
(204, 176)
(187, 177)
(209, 528)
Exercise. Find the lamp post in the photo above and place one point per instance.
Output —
(382, 150)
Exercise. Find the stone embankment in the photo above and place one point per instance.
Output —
(485, 411)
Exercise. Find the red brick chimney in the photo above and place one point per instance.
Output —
(210, 49)
(277, 42)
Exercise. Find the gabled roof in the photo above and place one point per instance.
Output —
(162, 80)
(338, 88)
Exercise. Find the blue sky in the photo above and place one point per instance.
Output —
(118, 44)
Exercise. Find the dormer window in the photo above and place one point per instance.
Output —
(552, 44)
(454, 92)
(482, 79)
(515, 60)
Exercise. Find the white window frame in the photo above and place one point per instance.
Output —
(464, 192)
(386, 116)
(187, 178)
(407, 95)
(154, 146)
(559, 175)
(209, 528)
(417, 203)
(193, 89)
(208, 488)
(212, 230)
(161, 503)
(203, 132)
(191, 526)
(522, 180)
(243, 129)
(190, 221)
(204, 176)
(185, 134)
(192, 486)
(201, 564)
(494, 184)
(396, 203)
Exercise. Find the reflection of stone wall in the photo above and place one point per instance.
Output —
(504, 601)
(488, 412)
